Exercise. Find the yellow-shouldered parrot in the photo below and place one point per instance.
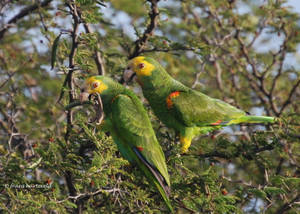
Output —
(130, 127)
(188, 111)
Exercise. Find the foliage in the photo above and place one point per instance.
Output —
(56, 160)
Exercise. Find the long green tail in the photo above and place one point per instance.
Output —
(156, 179)
(253, 119)
(164, 195)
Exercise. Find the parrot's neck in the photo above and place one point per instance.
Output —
(159, 88)
(108, 98)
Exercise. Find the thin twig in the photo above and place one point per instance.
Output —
(98, 57)
(88, 194)
(69, 82)
(287, 206)
(26, 11)
(289, 99)
(141, 42)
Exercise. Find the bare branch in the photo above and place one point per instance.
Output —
(26, 11)
(289, 99)
(89, 194)
(219, 74)
(141, 42)
(156, 49)
(196, 82)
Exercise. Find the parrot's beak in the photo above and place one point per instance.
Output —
(128, 75)
(84, 95)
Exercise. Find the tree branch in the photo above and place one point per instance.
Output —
(141, 42)
(89, 194)
(69, 82)
(98, 58)
(69, 77)
(26, 11)
(287, 205)
(288, 100)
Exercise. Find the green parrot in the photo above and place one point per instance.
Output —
(188, 111)
(131, 130)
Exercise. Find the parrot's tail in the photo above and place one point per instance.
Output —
(157, 179)
(253, 119)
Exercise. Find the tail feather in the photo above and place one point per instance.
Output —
(252, 119)
(157, 180)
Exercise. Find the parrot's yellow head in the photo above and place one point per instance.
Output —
(139, 66)
(92, 85)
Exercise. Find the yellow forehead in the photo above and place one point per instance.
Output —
(138, 59)
(99, 89)
(146, 70)
(92, 79)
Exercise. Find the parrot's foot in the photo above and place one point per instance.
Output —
(185, 144)
(183, 150)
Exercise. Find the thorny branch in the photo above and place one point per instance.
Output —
(24, 12)
(287, 206)
(141, 42)
(156, 49)
(69, 77)
(289, 99)
(98, 57)
(69, 82)
(82, 196)
(257, 79)
(9, 114)
(248, 154)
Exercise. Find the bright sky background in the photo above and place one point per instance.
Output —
(123, 21)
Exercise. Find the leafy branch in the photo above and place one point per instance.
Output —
(141, 42)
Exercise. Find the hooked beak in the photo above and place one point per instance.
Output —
(128, 75)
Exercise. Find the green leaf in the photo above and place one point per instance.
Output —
(274, 190)
(70, 204)
(258, 193)
(54, 50)
(35, 164)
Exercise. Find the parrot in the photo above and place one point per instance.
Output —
(189, 112)
(131, 130)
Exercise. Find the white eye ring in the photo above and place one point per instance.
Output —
(95, 85)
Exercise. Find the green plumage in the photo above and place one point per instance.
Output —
(187, 111)
(131, 130)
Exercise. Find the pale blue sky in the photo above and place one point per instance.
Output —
(123, 21)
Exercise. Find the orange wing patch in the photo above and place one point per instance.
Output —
(170, 97)
(216, 123)
(140, 148)
(114, 98)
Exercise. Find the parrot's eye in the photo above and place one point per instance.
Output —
(141, 65)
(95, 84)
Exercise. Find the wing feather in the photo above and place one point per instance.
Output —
(193, 108)
(132, 124)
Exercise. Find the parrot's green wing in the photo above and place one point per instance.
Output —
(193, 108)
(133, 126)
(134, 129)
